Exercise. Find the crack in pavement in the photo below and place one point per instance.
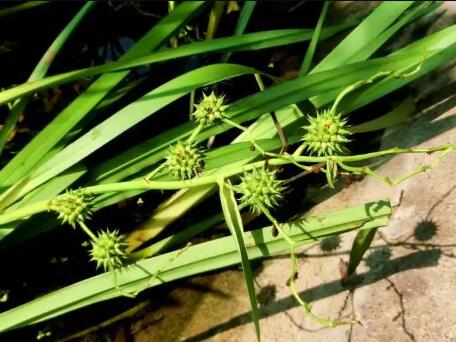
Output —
(402, 312)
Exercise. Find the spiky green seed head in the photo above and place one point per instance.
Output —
(326, 134)
(260, 188)
(74, 206)
(109, 250)
(209, 110)
(185, 160)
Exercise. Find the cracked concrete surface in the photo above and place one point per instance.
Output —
(407, 279)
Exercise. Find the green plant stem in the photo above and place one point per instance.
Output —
(381, 74)
(87, 230)
(271, 218)
(155, 171)
(191, 104)
(294, 272)
(246, 131)
(355, 86)
(282, 136)
(368, 171)
(195, 133)
(285, 159)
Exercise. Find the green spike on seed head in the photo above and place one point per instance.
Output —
(209, 110)
(326, 134)
(74, 206)
(185, 160)
(109, 250)
(260, 188)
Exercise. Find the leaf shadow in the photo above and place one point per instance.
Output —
(416, 260)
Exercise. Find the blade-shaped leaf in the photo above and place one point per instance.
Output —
(26, 160)
(250, 41)
(305, 67)
(396, 116)
(376, 41)
(41, 70)
(382, 17)
(206, 256)
(361, 244)
(244, 17)
(234, 222)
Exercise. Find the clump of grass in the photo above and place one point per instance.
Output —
(343, 81)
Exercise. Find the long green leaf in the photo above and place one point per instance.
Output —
(234, 222)
(361, 244)
(24, 6)
(244, 17)
(355, 54)
(27, 159)
(207, 256)
(250, 41)
(419, 10)
(40, 71)
(396, 116)
(305, 67)
(131, 115)
(379, 20)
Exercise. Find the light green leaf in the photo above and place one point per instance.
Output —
(379, 20)
(361, 244)
(244, 17)
(234, 222)
(131, 115)
(197, 259)
(41, 70)
(396, 116)
(305, 67)
(246, 42)
(25, 161)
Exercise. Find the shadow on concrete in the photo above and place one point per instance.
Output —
(419, 259)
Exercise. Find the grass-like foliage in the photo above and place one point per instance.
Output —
(49, 175)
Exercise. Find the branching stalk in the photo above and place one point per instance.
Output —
(144, 184)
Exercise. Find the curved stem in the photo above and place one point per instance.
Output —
(150, 175)
(242, 128)
(308, 307)
(294, 272)
(195, 132)
(87, 230)
(144, 184)
(355, 86)
(368, 171)
(271, 218)
(299, 150)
